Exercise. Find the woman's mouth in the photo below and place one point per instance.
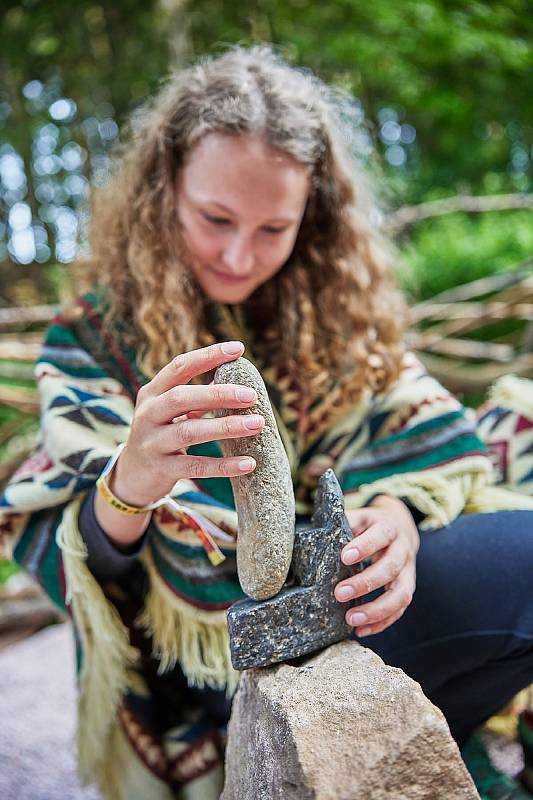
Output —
(224, 277)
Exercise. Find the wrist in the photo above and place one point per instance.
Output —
(122, 531)
(121, 480)
(122, 521)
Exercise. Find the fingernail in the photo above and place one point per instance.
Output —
(344, 593)
(364, 632)
(253, 422)
(358, 618)
(246, 464)
(351, 556)
(231, 348)
(245, 395)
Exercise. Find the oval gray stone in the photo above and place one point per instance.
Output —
(264, 498)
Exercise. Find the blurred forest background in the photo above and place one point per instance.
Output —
(442, 102)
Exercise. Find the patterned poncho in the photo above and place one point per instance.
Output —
(415, 441)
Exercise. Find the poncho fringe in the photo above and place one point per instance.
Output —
(105, 643)
(197, 639)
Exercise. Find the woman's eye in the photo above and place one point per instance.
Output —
(224, 221)
(216, 220)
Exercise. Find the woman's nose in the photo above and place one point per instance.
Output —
(238, 255)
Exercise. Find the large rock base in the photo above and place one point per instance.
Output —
(339, 726)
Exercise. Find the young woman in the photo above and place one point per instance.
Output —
(238, 218)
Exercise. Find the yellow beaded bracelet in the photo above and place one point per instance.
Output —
(203, 527)
(109, 497)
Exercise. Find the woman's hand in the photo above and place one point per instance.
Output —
(167, 420)
(386, 533)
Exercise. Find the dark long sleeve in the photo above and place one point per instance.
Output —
(105, 560)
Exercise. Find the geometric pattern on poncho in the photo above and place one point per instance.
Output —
(508, 436)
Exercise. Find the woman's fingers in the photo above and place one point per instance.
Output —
(390, 543)
(187, 432)
(379, 534)
(206, 467)
(378, 614)
(188, 365)
(378, 574)
(185, 399)
(168, 419)
(368, 630)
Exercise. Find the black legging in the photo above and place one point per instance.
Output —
(467, 636)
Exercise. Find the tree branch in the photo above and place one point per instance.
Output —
(407, 215)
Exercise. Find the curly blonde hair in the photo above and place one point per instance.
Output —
(331, 317)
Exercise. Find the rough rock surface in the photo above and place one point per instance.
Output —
(340, 725)
(305, 615)
(264, 498)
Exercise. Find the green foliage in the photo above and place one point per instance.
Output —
(7, 569)
(451, 250)
(443, 87)
(458, 73)
(8, 414)
(71, 74)
(104, 56)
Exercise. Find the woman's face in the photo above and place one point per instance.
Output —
(240, 203)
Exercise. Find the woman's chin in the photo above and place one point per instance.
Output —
(230, 301)
(227, 294)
